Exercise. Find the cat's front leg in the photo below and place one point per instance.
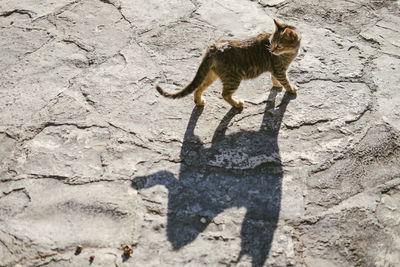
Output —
(284, 81)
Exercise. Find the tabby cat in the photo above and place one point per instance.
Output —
(234, 61)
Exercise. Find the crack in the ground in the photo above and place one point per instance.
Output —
(359, 116)
(124, 58)
(69, 180)
(57, 12)
(79, 44)
(265, 4)
(46, 176)
(119, 8)
(57, 124)
(5, 245)
(135, 143)
(9, 136)
(392, 55)
(18, 11)
(195, 16)
(95, 180)
(339, 80)
(126, 131)
(311, 123)
(22, 189)
(90, 102)
(45, 125)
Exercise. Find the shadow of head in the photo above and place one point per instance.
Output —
(239, 170)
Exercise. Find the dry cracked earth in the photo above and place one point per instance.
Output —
(91, 155)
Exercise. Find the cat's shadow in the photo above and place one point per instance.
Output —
(242, 169)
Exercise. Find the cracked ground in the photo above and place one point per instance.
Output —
(92, 156)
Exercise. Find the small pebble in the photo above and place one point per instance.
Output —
(203, 220)
(78, 250)
(127, 251)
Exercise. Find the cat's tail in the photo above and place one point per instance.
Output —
(201, 74)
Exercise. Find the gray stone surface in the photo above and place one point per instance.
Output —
(91, 155)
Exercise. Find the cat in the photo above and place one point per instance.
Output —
(234, 61)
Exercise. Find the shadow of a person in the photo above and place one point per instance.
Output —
(242, 169)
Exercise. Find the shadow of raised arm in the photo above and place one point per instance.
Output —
(165, 178)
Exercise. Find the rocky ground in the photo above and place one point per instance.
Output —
(91, 155)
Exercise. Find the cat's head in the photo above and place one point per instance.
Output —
(285, 39)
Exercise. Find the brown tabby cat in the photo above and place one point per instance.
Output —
(234, 61)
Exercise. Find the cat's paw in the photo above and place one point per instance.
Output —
(200, 102)
(239, 104)
(293, 89)
(276, 84)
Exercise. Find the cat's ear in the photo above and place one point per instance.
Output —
(279, 25)
(289, 34)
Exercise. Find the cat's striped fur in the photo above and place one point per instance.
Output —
(234, 61)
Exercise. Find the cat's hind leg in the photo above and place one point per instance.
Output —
(208, 80)
(229, 88)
